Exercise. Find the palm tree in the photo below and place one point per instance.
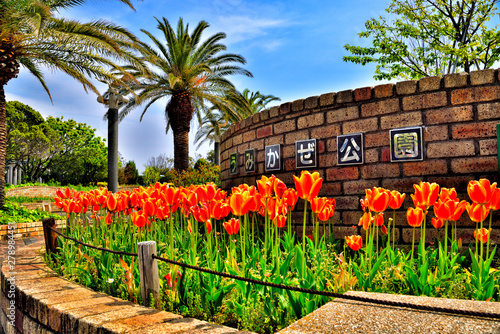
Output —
(235, 107)
(32, 37)
(191, 74)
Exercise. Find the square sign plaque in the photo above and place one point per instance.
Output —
(250, 160)
(273, 158)
(406, 144)
(233, 164)
(350, 149)
(305, 153)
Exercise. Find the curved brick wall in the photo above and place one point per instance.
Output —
(458, 113)
(46, 191)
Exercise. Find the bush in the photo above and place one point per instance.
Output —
(151, 175)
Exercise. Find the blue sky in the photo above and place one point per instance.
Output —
(293, 48)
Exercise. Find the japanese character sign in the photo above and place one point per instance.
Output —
(233, 163)
(250, 160)
(350, 149)
(273, 158)
(406, 144)
(305, 153)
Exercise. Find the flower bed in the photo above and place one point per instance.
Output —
(249, 233)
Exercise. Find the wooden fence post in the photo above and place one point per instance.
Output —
(148, 270)
(49, 235)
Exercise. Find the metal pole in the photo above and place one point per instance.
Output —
(113, 149)
(217, 150)
(498, 149)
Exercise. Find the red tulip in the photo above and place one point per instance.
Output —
(437, 222)
(397, 199)
(480, 191)
(365, 220)
(232, 226)
(280, 221)
(378, 199)
(477, 212)
(481, 235)
(426, 195)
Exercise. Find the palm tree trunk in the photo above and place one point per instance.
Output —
(3, 144)
(180, 112)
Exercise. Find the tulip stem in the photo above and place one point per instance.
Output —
(488, 242)
(304, 237)
(446, 237)
(394, 229)
(412, 246)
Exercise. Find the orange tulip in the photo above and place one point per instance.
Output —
(378, 199)
(208, 225)
(201, 214)
(442, 209)
(397, 199)
(426, 195)
(266, 185)
(494, 202)
(446, 194)
(308, 185)
(149, 208)
(379, 221)
(365, 220)
(355, 242)
(328, 210)
(480, 191)
(477, 212)
(481, 235)
(415, 216)
(437, 222)
(232, 226)
(109, 218)
(290, 198)
(240, 203)
(318, 204)
(279, 187)
(139, 219)
(111, 202)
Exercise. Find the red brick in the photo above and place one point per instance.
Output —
(359, 186)
(424, 101)
(380, 108)
(363, 94)
(450, 115)
(237, 139)
(246, 122)
(291, 138)
(311, 120)
(362, 125)
(289, 165)
(488, 111)
(381, 91)
(429, 84)
(257, 144)
(298, 105)
(404, 185)
(474, 165)
(488, 147)
(345, 96)
(331, 145)
(406, 87)
(401, 120)
(379, 171)
(342, 173)
(426, 167)
(284, 108)
(475, 94)
(342, 114)
(326, 99)
(264, 115)
(256, 118)
(248, 136)
(473, 130)
(482, 77)
(435, 133)
(386, 154)
(326, 131)
(285, 126)
(377, 139)
(455, 80)
(330, 189)
(455, 148)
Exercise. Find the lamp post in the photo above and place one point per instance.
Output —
(113, 99)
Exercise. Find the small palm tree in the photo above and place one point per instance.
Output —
(235, 107)
(191, 74)
(32, 37)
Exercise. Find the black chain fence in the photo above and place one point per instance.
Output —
(303, 290)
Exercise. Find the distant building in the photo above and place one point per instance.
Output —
(14, 174)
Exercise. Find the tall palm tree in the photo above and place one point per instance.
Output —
(191, 74)
(235, 107)
(32, 37)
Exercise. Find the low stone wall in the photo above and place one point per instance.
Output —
(24, 230)
(46, 191)
(34, 300)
